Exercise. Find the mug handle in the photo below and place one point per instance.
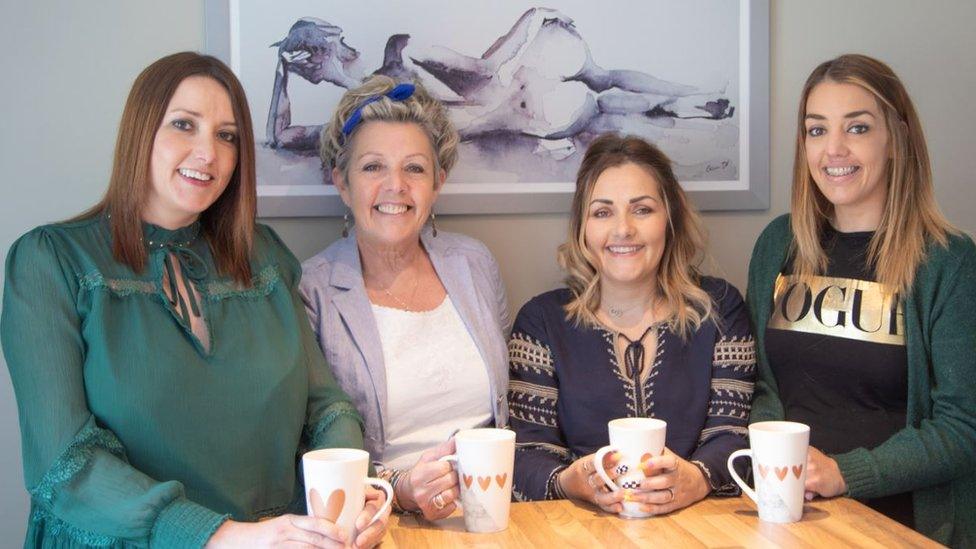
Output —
(386, 487)
(598, 465)
(452, 458)
(735, 476)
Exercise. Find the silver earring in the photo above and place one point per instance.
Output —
(433, 225)
(345, 224)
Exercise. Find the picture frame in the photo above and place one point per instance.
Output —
(719, 143)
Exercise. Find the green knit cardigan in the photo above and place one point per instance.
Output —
(934, 456)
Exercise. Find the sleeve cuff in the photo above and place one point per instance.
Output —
(183, 523)
(859, 473)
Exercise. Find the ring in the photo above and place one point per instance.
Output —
(589, 480)
(439, 504)
(586, 466)
(671, 491)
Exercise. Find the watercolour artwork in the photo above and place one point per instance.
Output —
(528, 86)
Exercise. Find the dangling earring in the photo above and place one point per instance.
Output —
(345, 224)
(433, 225)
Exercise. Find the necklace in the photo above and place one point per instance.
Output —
(400, 302)
(617, 313)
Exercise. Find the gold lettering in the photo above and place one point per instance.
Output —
(848, 308)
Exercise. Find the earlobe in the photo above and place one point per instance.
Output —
(340, 184)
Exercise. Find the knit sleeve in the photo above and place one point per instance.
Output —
(83, 490)
(942, 447)
(763, 267)
(533, 394)
(733, 377)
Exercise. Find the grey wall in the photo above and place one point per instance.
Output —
(67, 67)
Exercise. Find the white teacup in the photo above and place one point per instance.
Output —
(484, 461)
(636, 439)
(335, 486)
(779, 467)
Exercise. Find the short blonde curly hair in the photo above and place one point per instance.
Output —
(420, 108)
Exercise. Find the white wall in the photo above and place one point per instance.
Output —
(67, 67)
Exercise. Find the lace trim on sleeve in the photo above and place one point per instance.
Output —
(75, 458)
(332, 413)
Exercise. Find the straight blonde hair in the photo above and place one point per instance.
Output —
(678, 275)
(911, 218)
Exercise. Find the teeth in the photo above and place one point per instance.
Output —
(392, 208)
(624, 249)
(837, 172)
(195, 174)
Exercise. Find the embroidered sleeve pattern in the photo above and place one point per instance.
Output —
(533, 398)
(726, 427)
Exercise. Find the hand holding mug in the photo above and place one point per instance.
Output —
(431, 486)
(672, 483)
(581, 481)
(823, 476)
(284, 530)
(369, 532)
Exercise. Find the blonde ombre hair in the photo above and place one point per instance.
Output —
(420, 108)
(678, 275)
(911, 218)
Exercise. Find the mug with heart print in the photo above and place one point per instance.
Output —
(484, 460)
(636, 439)
(779, 457)
(335, 486)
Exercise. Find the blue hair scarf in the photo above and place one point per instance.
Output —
(399, 93)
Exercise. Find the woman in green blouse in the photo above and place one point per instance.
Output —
(166, 375)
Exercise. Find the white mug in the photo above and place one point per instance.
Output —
(484, 461)
(779, 467)
(636, 439)
(335, 486)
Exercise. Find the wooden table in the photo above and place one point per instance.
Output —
(714, 522)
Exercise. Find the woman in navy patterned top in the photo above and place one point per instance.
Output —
(639, 332)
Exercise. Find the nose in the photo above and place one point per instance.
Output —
(204, 149)
(624, 226)
(396, 182)
(837, 143)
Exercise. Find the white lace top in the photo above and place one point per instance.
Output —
(436, 380)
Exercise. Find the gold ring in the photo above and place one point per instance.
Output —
(438, 501)
(671, 491)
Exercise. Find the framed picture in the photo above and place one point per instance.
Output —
(528, 87)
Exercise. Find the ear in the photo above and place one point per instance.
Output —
(439, 182)
(339, 180)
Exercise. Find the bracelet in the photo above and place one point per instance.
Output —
(554, 489)
(394, 477)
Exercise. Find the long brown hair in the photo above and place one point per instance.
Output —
(678, 275)
(228, 224)
(911, 217)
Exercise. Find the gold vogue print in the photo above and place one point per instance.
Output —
(838, 307)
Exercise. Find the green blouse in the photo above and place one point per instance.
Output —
(134, 434)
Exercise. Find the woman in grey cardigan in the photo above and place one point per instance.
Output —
(411, 319)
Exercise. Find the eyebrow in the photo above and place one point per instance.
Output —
(609, 202)
(198, 115)
(376, 153)
(853, 114)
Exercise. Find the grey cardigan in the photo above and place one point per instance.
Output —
(342, 318)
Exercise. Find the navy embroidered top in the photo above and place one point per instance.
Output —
(135, 434)
(566, 385)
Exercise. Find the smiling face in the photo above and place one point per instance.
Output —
(626, 226)
(391, 182)
(847, 151)
(194, 153)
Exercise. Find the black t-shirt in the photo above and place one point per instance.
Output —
(836, 345)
